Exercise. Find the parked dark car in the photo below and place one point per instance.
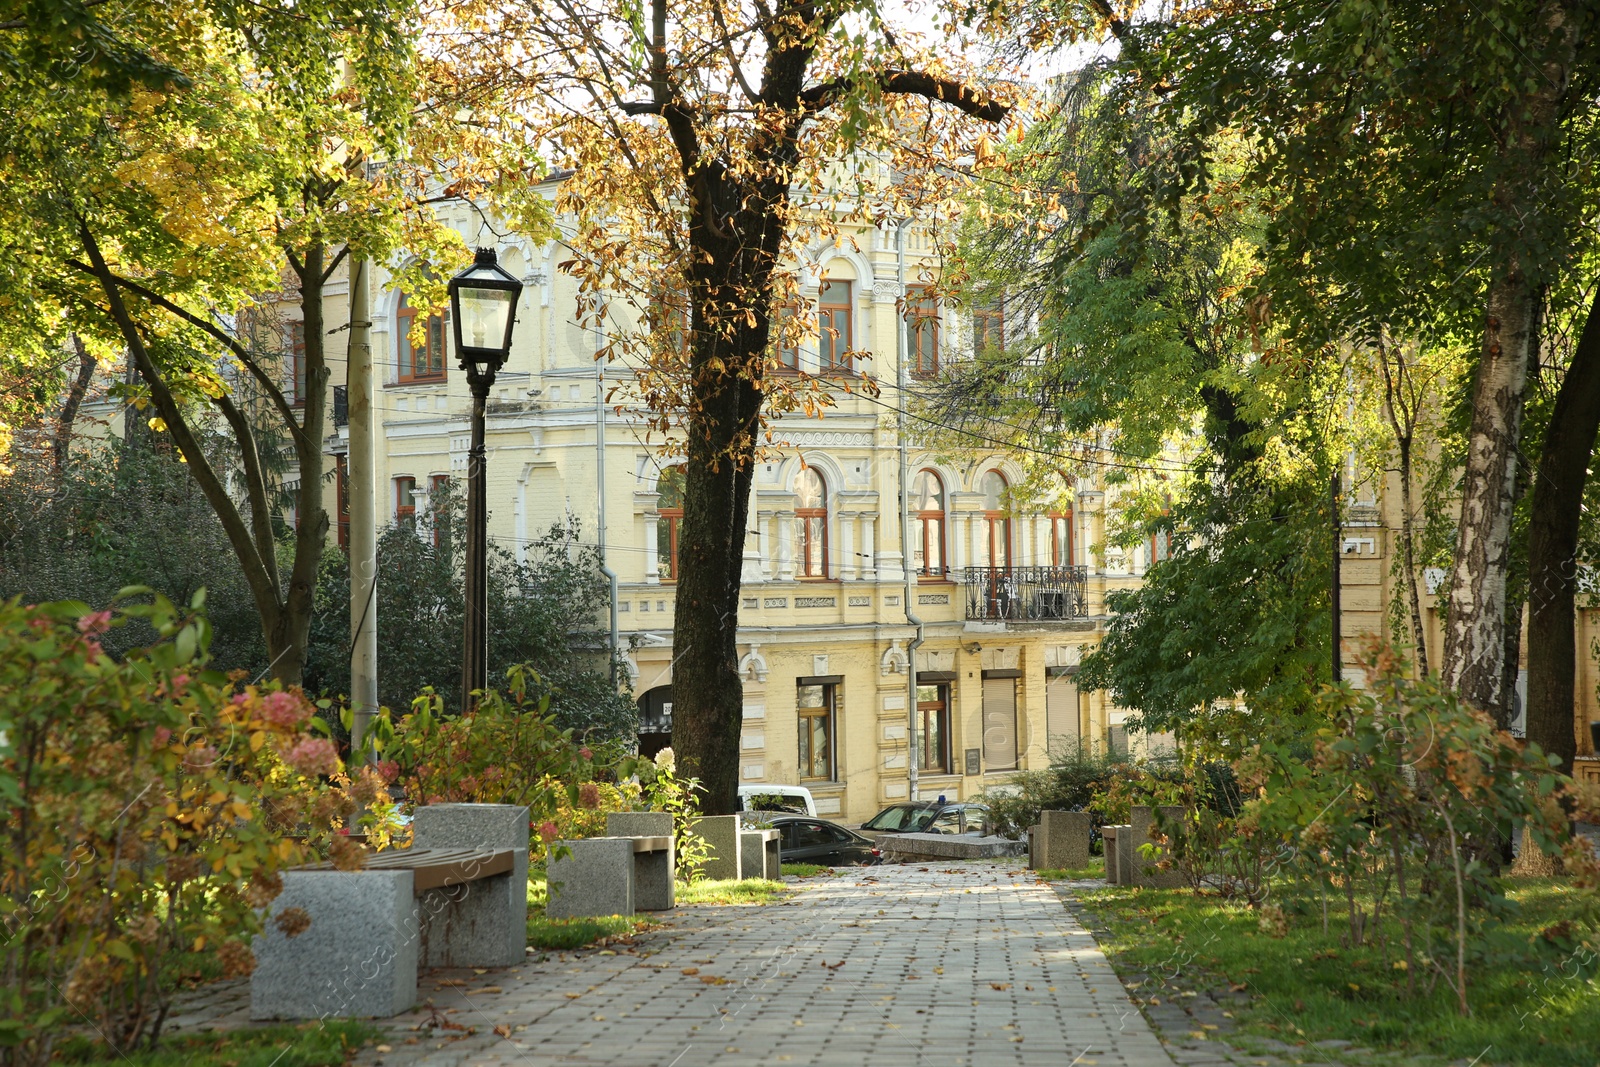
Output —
(808, 840)
(930, 817)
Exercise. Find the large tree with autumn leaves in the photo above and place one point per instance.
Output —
(702, 136)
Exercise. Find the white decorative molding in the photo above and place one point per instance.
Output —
(886, 292)
(893, 660)
(819, 665)
(753, 667)
(822, 438)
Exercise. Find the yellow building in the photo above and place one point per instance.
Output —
(1008, 595)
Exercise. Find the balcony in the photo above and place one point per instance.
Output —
(1025, 594)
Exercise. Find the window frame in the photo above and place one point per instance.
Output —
(923, 517)
(835, 342)
(668, 523)
(997, 521)
(406, 316)
(803, 518)
(939, 707)
(786, 358)
(922, 322)
(807, 760)
(1063, 539)
(988, 326)
(405, 489)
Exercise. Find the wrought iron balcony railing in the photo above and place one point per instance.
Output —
(1025, 594)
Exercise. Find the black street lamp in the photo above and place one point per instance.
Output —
(483, 300)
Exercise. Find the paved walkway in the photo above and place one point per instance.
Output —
(966, 966)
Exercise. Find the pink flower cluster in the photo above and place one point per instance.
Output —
(312, 756)
(285, 709)
(547, 832)
(96, 622)
(588, 795)
(388, 768)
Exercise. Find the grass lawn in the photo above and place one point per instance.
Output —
(1533, 991)
(806, 870)
(324, 1044)
(562, 934)
(1096, 869)
(731, 891)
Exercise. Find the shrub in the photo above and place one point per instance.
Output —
(147, 806)
(1076, 775)
(1398, 813)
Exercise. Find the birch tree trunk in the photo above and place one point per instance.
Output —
(1474, 645)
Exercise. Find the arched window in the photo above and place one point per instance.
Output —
(1062, 548)
(811, 524)
(424, 362)
(996, 546)
(927, 508)
(669, 502)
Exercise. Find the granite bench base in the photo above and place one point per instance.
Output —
(602, 876)
(760, 854)
(371, 929)
(903, 848)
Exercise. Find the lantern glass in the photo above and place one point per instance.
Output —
(485, 313)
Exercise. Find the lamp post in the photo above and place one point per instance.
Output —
(483, 301)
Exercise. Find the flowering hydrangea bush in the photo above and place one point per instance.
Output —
(147, 806)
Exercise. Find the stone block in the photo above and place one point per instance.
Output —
(357, 959)
(760, 854)
(1144, 872)
(595, 877)
(721, 833)
(1125, 854)
(903, 848)
(482, 923)
(470, 826)
(1064, 840)
(1033, 847)
(654, 873)
(1108, 840)
(639, 824)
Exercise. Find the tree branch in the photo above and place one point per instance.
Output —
(912, 83)
(334, 265)
(256, 482)
(262, 588)
(274, 394)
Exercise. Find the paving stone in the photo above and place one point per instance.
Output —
(828, 959)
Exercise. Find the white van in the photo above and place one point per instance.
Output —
(777, 799)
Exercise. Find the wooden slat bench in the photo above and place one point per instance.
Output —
(458, 898)
(436, 868)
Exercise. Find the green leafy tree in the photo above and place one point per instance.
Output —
(545, 611)
(1152, 368)
(1431, 171)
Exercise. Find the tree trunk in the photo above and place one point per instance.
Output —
(288, 638)
(1553, 524)
(69, 407)
(1474, 646)
(726, 353)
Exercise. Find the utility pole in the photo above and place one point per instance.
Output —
(361, 485)
(1333, 581)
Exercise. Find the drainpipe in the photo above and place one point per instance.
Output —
(905, 522)
(600, 489)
